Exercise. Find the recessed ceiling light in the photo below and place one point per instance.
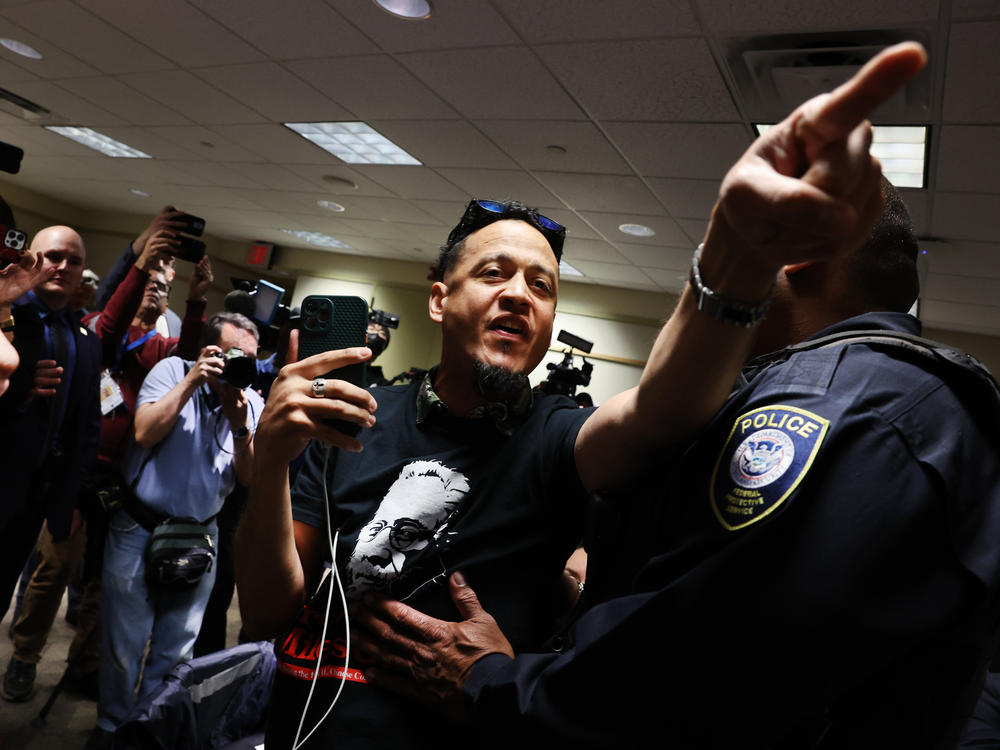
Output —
(411, 10)
(140, 193)
(330, 206)
(104, 144)
(902, 149)
(565, 269)
(317, 238)
(555, 149)
(20, 48)
(637, 230)
(353, 142)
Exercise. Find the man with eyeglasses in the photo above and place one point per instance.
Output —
(130, 347)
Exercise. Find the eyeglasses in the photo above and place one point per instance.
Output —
(480, 213)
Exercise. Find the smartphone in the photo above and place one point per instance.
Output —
(188, 248)
(331, 322)
(13, 246)
(193, 224)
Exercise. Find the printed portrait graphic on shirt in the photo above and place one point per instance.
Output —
(411, 515)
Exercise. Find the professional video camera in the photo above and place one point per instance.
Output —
(261, 302)
(563, 377)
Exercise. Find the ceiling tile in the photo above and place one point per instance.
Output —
(523, 88)
(453, 23)
(277, 178)
(961, 316)
(571, 20)
(385, 209)
(970, 96)
(593, 192)
(443, 143)
(695, 229)
(590, 250)
(917, 204)
(85, 36)
(124, 102)
(680, 149)
(11, 72)
(674, 79)
(274, 92)
(973, 290)
(315, 173)
(413, 182)
(615, 272)
(448, 212)
(55, 62)
(689, 199)
(38, 142)
(175, 30)
(287, 30)
(669, 281)
(210, 174)
(184, 92)
(62, 101)
(555, 145)
(372, 87)
(673, 259)
(968, 157)
(734, 16)
(194, 138)
(964, 258)
(668, 232)
(973, 8)
(275, 143)
(966, 216)
(500, 184)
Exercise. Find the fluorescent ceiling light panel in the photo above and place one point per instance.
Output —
(565, 269)
(104, 144)
(902, 149)
(317, 238)
(352, 142)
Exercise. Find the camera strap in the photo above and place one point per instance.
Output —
(126, 347)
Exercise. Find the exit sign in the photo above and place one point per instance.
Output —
(260, 254)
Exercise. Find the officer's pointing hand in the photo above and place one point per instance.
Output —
(808, 187)
(426, 658)
(301, 400)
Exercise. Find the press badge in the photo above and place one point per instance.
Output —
(768, 452)
(111, 394)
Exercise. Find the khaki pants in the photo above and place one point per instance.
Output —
(59, 562)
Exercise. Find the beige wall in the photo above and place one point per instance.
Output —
(621, 323)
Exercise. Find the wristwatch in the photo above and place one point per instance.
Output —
(241, 433)
(722, 308)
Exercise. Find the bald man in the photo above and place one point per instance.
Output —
(50, 414)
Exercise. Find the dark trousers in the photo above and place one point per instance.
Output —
(212, 637)
(17, 540)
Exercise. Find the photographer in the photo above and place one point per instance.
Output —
(193, 430)
(130, 348)
(169, 220)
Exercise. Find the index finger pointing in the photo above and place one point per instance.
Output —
(832, 117)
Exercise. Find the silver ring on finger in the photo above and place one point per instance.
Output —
(319, 387)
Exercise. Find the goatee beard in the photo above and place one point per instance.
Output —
(498, 384)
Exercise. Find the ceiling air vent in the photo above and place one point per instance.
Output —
(774, 74)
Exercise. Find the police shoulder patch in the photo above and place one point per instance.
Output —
(768, 452)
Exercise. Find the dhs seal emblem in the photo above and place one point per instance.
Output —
(767, 453)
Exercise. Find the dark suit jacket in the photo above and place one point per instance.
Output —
(24, 423)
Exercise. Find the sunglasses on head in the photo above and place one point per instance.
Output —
(480, 213)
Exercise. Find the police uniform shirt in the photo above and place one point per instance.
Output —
(823, 575)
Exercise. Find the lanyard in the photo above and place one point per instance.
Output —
(126, 347)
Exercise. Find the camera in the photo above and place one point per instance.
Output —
(15, 242)
(192, 224)
(563, 378)
(238, 369)
(261, 302)
(383, 318)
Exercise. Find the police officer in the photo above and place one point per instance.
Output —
(822, 572)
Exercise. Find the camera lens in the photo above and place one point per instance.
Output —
(323, 314)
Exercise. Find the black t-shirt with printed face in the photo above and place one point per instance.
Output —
(419, 502)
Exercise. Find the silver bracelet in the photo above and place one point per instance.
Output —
(722, 308)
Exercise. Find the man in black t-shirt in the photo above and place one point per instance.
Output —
(526, 462)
